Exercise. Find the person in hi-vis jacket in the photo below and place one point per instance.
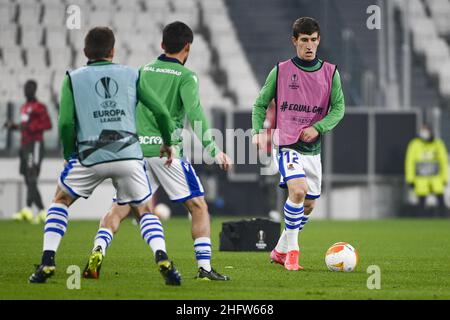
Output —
(426, 169)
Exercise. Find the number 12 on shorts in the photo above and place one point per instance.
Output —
(288, 157)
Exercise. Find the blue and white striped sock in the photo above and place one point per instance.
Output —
(282, 242)
(304, 221)
(202, 248)
(281, 246)
(293, 216)
(152, 232)
(103, 239)
(55, 226)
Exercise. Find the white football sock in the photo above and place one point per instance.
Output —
(55, 226)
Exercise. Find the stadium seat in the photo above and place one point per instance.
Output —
(437, 53)
(444, 80)
(30, 13)
(56, 38)
(31, 37)
(35, 57)
(60, 58)
(54, 16)
(426, 31)
(12, 56)
(231, 53)
(440, 11)
(7, 13)
(8, 36)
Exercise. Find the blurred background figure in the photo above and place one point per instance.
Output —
(34, 120)
(426, 169)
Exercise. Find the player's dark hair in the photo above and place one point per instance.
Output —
(305, 25)
(175, 36)
(30, 90)
(98, 43)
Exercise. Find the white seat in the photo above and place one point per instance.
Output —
(80, 60)
(8, 36)
(76, 38)
(54, 16)
(189, 18)
(36, 57)
(55, 38)
(7, 13)
(104, 3)
(12, 56)
(100, 17)
(129, 5)
(440, 11)
(54, 4)
(29, 13)
(444, 79)
(416, 9)
(57, 77)
(6, 88)
(32, 36)
(241, 79)
(139, 58)
(124, 20)
(423, 30)
(60, 58)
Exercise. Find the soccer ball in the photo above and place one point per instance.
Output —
(162, 211)
(341, 256)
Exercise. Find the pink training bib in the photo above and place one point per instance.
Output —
(303, 98)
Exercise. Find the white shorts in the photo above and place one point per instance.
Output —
(129, 178)
(293, 164)
(179, 180)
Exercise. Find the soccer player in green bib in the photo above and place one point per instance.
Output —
(97, 123)
(178, 87)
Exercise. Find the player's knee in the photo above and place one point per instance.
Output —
(110, 222)
(297, 195)
(198, 206)
(62, 197)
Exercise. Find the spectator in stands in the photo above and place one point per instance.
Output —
(426, 170)
(34, 120)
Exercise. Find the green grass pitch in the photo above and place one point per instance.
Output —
(413, 256)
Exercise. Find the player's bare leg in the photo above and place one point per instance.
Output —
(201, 234)
(309, 206)
(198, 209)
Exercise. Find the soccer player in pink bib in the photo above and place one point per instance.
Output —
(309, 103)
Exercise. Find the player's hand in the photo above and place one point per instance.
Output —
(10, 125)
(168, 150)
(223, 160)
(309, 134)
(258, 140)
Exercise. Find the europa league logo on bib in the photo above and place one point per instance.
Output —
(107, 88)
